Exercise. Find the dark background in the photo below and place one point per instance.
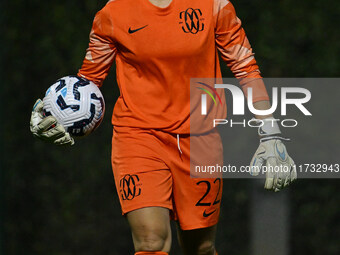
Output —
(62, 200)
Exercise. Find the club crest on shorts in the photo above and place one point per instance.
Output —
(129, 186)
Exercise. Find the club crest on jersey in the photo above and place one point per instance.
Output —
(191, 21)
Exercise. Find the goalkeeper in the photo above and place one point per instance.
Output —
(157, 46)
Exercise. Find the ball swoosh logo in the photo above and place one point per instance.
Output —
(131, 31)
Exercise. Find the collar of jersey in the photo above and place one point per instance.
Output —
(159, 10)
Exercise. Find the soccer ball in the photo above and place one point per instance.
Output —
(76, 103)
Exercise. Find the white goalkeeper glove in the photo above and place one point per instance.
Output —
(272, 157)
(48, 128)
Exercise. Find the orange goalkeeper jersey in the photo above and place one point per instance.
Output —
(157, 51)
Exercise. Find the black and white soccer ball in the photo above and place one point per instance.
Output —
(76, 103)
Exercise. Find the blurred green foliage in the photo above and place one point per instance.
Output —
(62, 201)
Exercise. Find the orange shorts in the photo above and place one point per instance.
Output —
(152, 168)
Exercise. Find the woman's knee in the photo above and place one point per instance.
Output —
(151, 229)
(151, 241)
(206, 248)
(198, 241)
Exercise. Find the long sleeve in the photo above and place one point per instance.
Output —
(235, 49)
(101, 51)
